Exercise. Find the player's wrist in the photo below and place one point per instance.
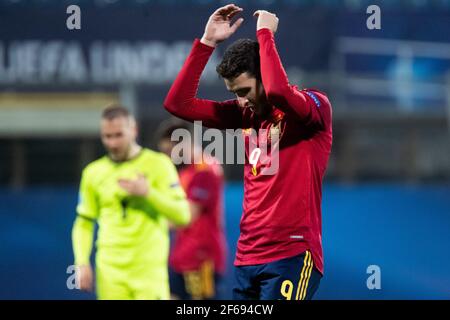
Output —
(145, 193)
(83, 264)
(144, 189)
(208, 42)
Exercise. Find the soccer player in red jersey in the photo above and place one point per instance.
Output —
(198, 256)
(279, 251)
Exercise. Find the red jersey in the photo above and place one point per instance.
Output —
(204, 238)
(282, 211)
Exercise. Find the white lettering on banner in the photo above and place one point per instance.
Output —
(72, 67)
(49, 62)
(51, 54)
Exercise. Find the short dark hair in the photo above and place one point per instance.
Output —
(168, 126)
(241, 56)
(114, 111)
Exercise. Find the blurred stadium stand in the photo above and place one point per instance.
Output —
(389, 87)
(348, 4)
(390, 91)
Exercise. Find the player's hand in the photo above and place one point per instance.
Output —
(219, 27)
(85, 278)
(137, 187)
(266, 20)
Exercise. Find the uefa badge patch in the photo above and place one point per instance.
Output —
(314, 97)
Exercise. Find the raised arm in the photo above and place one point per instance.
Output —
(182, 99)
(310, 106)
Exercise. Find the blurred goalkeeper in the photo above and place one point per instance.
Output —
(279, 252)
(132, 194)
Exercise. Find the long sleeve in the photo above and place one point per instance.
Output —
(83, 228)
(168, 197)
(87, 197)
(310, 106)
(82, 240)
(182, 102)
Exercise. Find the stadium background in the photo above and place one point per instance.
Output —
(386, 194)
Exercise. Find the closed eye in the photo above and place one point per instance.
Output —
(242, 92)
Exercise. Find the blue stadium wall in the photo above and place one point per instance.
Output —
(402, 229)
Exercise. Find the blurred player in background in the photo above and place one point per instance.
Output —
(131, 193)
(279, 252)
(198, 255)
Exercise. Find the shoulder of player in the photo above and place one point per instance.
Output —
(155, 158)
(96, 165)
(319, 97)
(212, 168)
